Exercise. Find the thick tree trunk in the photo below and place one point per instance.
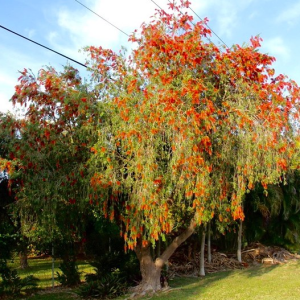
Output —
(239, 248)
(202, 269)
(150, 269)
(209, 243)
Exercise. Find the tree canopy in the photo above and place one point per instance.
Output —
(162, 140)
(192, 128)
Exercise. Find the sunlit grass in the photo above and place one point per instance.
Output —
(280, 282)
(42, 269)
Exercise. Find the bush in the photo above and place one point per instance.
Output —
(70, 275)
(126, 265)
(12, 284)
(112, 271)
(109, 286)
(104, 265)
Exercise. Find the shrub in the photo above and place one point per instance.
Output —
(109, 286)
(12, 284)
(70, 275)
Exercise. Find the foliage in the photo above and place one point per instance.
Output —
(54, 144)
(109, 286)
(191, 128)
(12, 284)
(273, 214)
(70, 275)
(125, 265)
(161, 141)
(113, 272)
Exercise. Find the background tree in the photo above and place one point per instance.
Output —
(56, 135)
(273, 214)
(10, 226)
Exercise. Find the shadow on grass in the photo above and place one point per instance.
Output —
(264, 269)
(253, 271)
(236, 284)
(53, 296)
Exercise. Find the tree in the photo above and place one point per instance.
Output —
(10, 228)
(191, 129)
(183, 131)
(273, 214)
(52, 150)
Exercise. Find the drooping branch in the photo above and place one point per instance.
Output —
(176, 243)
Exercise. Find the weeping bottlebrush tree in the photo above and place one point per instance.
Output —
(177, 132)
(191, 129)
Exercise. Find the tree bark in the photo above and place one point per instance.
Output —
(150, 269)
(239, 248)
(202, 269)
(209, 243)
(23, 258)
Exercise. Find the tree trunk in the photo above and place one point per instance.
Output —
(23, 258)
(150, 269)
(239, 248)
(202, 270)
(209, 243)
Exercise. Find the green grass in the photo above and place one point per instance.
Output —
(280, 282)
(42, 269)
(54, 296)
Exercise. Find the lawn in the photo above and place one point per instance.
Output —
(42, 269)
(280, 282)
(263, 282)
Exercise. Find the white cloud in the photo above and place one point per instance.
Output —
(276, 47)
(7, 82)
(290, 15)
(5, 104)
(227, 14)
(84, 28)
(13, 61)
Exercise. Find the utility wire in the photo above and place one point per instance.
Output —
(193, 23)
(158, 6)
(102, 18)
(75, 61)
(209, 28)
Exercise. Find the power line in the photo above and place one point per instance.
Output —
(209, 28)
(193, 23)
(75, 61)
(158, 6)
(102, 18)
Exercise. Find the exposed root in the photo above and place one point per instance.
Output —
(143, 290)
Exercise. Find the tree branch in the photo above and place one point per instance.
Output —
(178, 241)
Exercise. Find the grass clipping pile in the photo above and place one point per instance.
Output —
(184, 263)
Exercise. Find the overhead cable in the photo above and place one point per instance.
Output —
(75, 61)
(102, 18)
(209, 28)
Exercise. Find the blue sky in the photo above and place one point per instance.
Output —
(66, 26)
